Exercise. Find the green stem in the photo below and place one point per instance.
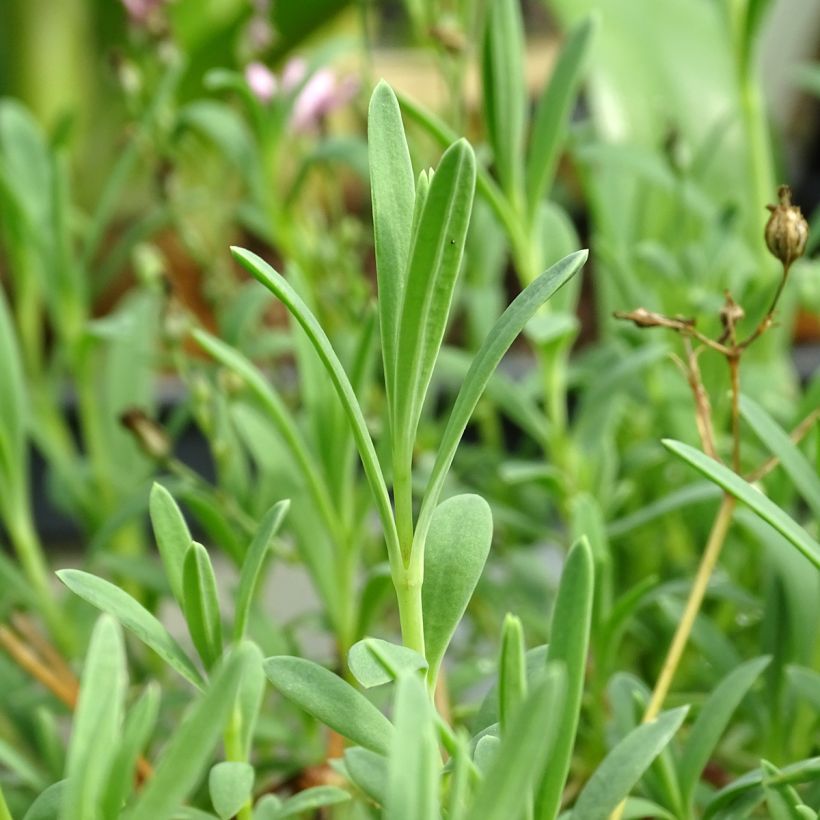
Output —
(232, 740)
(32, 559)
(408, 594)
(5, 814)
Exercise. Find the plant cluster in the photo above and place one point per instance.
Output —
(497, 524)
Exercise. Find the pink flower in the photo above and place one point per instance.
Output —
(294, 73)
(261, 81)
(321, 94)
(140, 12)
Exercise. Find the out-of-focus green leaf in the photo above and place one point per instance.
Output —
(230, 784)
(172, 535)
(373, 661)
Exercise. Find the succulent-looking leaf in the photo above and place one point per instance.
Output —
(134, 617)
(201, 604)
(433, 266)
(368, 771)
(512, 671)
(97, 721)
(172, 535)
(457, 547)
(415, 761)
(230, 784)
(392, 191)
(312, 799)
(373, 661)
(331, 700)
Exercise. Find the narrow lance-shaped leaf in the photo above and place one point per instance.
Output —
(415, 761)
(133, 616)
(498, 341)
(265, 274)
(97, 721)
(172, 535)
(392, 192)
(512, 672)
(279, 415)
(252, 566)
(331, 700)
(712, 721)
(569, 641)
(504, 90)
(553, 112)
(523, 752)
(456, 551)
(201, 604)
(183, 762)
(623, 767)
(754, 499)
(797, 467)
(435, 259)
(311, 799)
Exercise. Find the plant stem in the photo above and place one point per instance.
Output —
(717, 536)
(234, 752)
(408, 594)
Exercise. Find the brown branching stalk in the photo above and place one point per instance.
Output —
(786, 235)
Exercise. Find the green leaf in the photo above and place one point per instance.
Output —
(48, 804)
(331, 700)
(796, 465)
(278, 413)
(172, 535)
(512, 672)
(139, 725)
(374, 662)
(434, 263)
(97, 721)
(267, 808)
(505, 97)
(415, 761)
(133, 616)
(523, 752)
(368, 771)
(312, 799)
(393, 194)
(498, 341)
(745, 492)
(185, 758)
(553, 112)
(623, 767)
(457, 547)
(712, 721)
(263, 272)
(230, 785)
(569, 642)
(250, 697)
(13, 463)
(201, 604)
(806, 683)
(252, 565)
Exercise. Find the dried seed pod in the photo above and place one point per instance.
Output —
(787, 229)
(149, 435)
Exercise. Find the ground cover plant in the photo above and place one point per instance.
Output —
(543, 581)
